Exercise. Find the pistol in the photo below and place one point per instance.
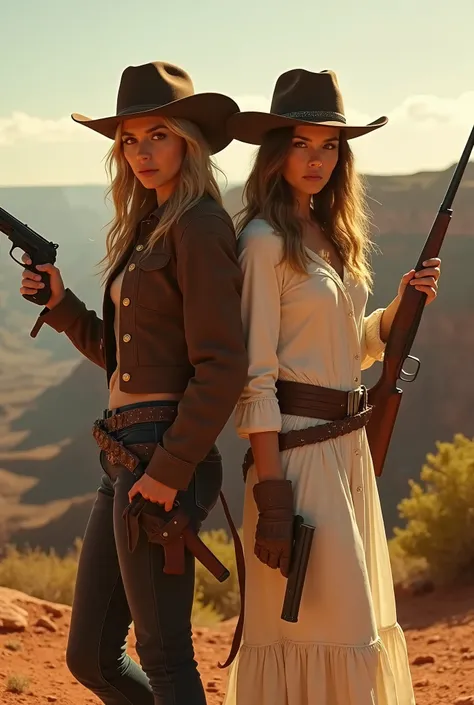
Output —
(39, 250)
(303, 539)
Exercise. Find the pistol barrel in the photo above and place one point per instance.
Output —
(299, 565)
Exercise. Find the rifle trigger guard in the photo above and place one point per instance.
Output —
(410, 376)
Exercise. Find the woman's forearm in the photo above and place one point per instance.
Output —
(266, 455)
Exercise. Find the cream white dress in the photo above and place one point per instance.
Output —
(347, 647)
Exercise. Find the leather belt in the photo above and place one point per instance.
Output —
(313, 401)
(346, 412)
(112, 421)
(315, 434)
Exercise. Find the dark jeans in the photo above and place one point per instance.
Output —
(115, 587)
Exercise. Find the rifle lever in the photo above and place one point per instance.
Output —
(410, 376)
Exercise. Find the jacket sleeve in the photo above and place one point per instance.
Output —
(210, 281)
(259, 255)
(82, 326)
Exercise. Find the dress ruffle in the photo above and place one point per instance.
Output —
(257, 416)
(296, 673)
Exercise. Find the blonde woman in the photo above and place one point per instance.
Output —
(303, 247)
(171, 343)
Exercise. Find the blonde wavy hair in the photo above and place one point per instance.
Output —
(339, 209)
(132, 201)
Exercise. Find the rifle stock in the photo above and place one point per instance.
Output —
(385, 396)
(379, 433)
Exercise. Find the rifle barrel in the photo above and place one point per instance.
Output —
(458, 174)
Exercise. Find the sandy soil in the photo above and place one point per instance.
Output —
(439, 628)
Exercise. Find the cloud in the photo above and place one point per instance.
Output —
(22, 128)
(424, 132)
(422, 110)
(425, 110)
(431, 110)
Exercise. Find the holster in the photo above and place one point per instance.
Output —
(174, 534)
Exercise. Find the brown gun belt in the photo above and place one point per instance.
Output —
(345, 412)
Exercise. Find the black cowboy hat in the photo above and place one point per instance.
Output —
(159, 88)
(300, 97)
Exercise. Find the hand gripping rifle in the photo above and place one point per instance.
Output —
(385, 396)
(39, 250)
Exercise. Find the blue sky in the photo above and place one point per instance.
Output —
(410, 60)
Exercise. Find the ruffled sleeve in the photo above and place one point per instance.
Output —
(373, 347)
(260, 252)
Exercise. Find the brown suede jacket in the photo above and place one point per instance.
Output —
(181, 331)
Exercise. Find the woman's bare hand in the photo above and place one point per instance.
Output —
(31, 282)
(154, 491)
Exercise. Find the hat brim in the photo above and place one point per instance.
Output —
(251, 127)
(209, 111)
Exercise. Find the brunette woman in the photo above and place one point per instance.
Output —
(303, 247)
(171, 343)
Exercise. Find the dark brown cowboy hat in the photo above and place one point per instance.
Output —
(159, 88)
(300, 98)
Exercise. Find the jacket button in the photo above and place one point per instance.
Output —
(126, 302)
(131, 267)
(139, 248)
(126, 377)
(127, 338)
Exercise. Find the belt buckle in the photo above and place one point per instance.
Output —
(356, 400)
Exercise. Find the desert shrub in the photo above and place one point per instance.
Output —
(40, 574)
(204, 615)
(18, 684)
(50, 577)
(406, 569)
(439, 535)
(222, 598)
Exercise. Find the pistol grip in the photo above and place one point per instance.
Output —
(43, 295)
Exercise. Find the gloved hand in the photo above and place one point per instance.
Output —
(274, 534)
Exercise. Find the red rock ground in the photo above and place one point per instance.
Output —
(439, 628)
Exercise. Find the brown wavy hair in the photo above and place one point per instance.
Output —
(340, 209)
(132, 201)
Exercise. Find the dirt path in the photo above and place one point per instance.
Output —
(439, 629)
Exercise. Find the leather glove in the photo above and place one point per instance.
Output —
(274, 534)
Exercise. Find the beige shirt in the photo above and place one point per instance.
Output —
(309, 329)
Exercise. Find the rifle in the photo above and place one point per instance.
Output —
(39, 250)
(299, 563)
(385, 396)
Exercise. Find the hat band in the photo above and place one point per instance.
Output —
(138, 109)
(315, 115)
